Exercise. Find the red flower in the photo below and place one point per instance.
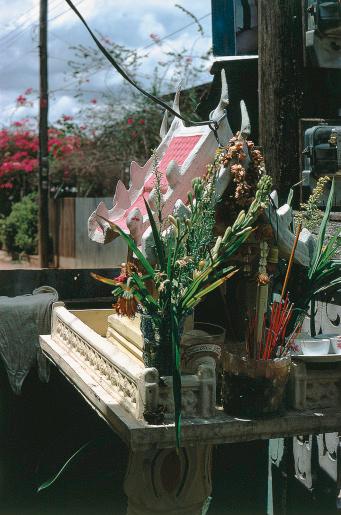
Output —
(67, 118)
(142, 122)
(28, 91)
(21, 100)
(121, 278)
(130, 121)
(93, 101)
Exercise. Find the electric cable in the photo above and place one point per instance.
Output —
(153, 43)
(213, 124)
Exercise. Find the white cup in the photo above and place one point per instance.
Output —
(336, 344)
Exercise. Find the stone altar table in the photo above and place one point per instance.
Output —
(159, 480)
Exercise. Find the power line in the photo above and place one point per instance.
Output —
(66, 87)
(15, 37)
(29, 19)
(153, 43)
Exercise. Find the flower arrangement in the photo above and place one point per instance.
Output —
(190, 263)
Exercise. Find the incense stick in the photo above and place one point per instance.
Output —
(291, 260)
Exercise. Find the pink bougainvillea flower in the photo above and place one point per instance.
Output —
(154, 37)
(28, 91)
(67, 118)
(21, 100)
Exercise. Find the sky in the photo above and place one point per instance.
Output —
(126, 22)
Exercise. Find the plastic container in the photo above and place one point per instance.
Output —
(315, 346)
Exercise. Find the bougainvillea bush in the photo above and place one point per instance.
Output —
(19, 156)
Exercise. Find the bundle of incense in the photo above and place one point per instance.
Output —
(272, 342)
(281, 313)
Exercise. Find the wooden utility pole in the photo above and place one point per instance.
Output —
(43, 183)
(280, 80)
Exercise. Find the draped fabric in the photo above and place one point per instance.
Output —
(22, 320)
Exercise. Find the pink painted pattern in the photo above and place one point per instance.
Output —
(178, 150)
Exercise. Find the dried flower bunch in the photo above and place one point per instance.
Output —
(246, 169)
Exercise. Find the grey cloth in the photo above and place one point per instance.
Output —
(22, 320)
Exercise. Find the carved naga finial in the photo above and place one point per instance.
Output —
(245, 128)
(218, 115)
(224, 99)
(176, 108)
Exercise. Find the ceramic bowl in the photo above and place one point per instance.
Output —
(336, 344)
(315, 346)
(203, 341)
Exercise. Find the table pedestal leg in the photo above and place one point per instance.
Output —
(162, 482)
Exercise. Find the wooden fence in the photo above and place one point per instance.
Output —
(71, 246)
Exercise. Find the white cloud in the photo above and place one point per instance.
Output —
(150, 25)
(127, 22)
(64, 105)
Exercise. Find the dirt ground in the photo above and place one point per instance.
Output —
(6, 263)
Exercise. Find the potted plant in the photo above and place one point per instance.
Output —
(190, 262)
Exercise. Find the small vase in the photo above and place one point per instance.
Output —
(253, 388)
(203, 341)
(157, 344)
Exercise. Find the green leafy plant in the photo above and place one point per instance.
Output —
(323, 276)
(19, 229)
(190, 263)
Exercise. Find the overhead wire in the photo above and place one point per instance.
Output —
(146, 47)
(30, 20)
(34, 24)
(153, 43)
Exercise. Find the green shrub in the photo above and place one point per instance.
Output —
(18, 231)
(2, 230)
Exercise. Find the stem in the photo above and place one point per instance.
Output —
(312, 317)
(291, 260)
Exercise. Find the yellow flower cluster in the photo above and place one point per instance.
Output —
(310, 215)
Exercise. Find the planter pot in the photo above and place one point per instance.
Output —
(204, 342)
(253, 388)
